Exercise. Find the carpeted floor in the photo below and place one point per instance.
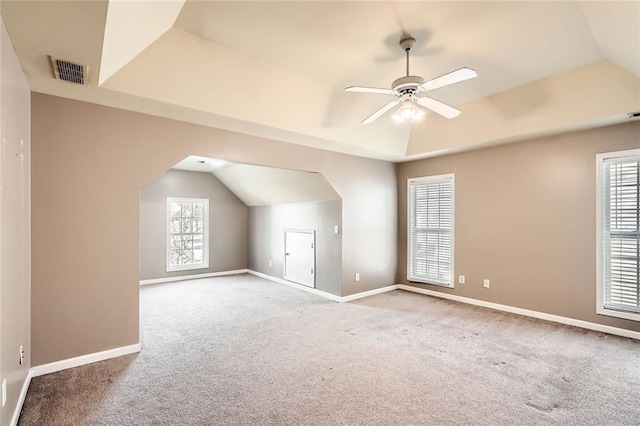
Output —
(240, 350)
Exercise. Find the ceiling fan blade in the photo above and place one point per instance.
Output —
(368, 90)
(453, 77)
(439, 107)
(373, 117)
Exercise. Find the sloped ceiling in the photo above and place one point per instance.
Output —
(263, 186)
(277, 69)
(123, 39)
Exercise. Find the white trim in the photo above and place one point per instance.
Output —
(83, 360)
(339, 299)
(600, 308)
(21, 398)
(505, 308)
(298, 286)
(599, 226)
(205, 234)
(373, 292)
(526, 312)
(428, 179)
(65, 364)
(126, 350)
(192, 277)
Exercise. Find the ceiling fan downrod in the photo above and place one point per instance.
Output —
(407, 85)
(407, 45)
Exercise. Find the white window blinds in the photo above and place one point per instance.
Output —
(621, 233)
(431, 230)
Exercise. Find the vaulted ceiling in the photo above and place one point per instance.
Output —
(263, 186)
(277, 69)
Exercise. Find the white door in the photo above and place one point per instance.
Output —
(300, 256)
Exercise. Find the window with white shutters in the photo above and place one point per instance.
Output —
(430, 251)
(619, 234)
(187, 233)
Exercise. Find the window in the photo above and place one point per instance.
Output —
(430, 219)
(187, 233)
(618, 234)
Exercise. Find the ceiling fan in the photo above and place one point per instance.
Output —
(411, 106)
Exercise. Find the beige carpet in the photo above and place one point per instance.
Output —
(240, 350)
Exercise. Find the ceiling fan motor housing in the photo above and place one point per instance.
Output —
(408, 43)
(407, 85)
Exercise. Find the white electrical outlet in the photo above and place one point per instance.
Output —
(270, 263)
(357, 276)
(461, 279)
(336, 229)
(21, 354)
(4, 392)
(486, 283)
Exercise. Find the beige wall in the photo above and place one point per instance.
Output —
(227, 223)
(525, 218)
(89, 163)
(267, 225)
(15, 244)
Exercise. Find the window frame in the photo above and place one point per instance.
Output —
(600, 299)
(205, 234)
(432, 179)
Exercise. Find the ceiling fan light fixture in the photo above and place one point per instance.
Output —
(408, 112)
(411, 108)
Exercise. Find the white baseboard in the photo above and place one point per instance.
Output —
(21, 398)
(298, 286)
(39, 370)
(526, 312)
(126, 350)
(192, 277)
(63, 365)
(373, 292)
(324, 294)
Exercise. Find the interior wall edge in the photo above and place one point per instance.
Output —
(15, 231)
(21, 398)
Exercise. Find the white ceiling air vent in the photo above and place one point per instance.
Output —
(69, 71)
